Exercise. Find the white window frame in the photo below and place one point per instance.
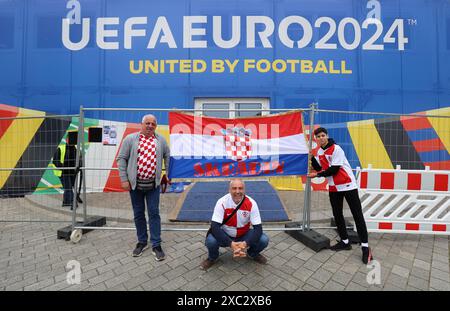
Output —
(232, 101)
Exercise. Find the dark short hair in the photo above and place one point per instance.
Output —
(320, 130)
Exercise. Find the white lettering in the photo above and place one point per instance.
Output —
(74, 274)
(84, 35)
(162, 27)
(103, 33)
(188, 22)
(74, 15)
(375, 11)
(263, 35)
(195, 30)
(235, 32)
(197, 301)
(307, 31)
(130, 32)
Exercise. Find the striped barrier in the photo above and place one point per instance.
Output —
(408, 227)
(405, 201)
(410, 180)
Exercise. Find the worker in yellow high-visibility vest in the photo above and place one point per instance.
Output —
(65, 156)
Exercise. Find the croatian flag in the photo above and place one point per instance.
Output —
(205, 147)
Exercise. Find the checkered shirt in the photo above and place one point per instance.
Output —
(146, 157)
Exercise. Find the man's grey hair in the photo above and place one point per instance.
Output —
(236, 179)
(149, 116)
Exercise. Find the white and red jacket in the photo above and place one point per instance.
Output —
(343, 179)
(239, 224)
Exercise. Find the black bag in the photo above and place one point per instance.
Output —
(229, 217)
(145, 184)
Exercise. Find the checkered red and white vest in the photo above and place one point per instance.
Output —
(146, 157)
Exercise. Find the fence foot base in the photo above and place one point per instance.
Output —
(310, 238)
(352, 234)
(93, 221)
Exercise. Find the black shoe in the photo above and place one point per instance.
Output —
(140, 248)
(366, 254)
(260, 259)
(158, 252)
(79, 200)
(206, 264)
(341, 246)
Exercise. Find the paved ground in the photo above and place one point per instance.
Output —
(31, 258)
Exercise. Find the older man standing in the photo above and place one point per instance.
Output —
(140, 165)
(230, 227)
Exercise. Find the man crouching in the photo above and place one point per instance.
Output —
(230, 227)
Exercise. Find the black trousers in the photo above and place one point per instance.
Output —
(337, 204)
(68, 183)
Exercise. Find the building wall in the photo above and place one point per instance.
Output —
(39, 72)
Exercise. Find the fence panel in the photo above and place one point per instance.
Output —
(105, 197)
(30, 188)
(381, 141)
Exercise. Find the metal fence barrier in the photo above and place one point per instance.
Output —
(101, 185)
(30, 190)
(382, 141)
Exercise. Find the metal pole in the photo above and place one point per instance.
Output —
(59, 116)
(180, 110)
(197, 229)
(194, 229)
(75, 190)
(80, 160)
(83, 153)
(307, 202)
(311, 129)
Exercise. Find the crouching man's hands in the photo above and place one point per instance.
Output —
(239, 249)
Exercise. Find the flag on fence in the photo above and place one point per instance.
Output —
(205, 147)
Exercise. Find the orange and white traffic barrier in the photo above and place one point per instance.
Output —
(405, 227)
(405, 201)
(410, 180)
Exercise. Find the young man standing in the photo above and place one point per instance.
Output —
(331, 163)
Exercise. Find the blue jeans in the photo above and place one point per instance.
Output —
(213, 245)
(138, 200)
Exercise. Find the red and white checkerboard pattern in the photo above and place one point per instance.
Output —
(146, 157)
(238, 147)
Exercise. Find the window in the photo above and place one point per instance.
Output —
(242, 112)
(217, 114)
(232, 107)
